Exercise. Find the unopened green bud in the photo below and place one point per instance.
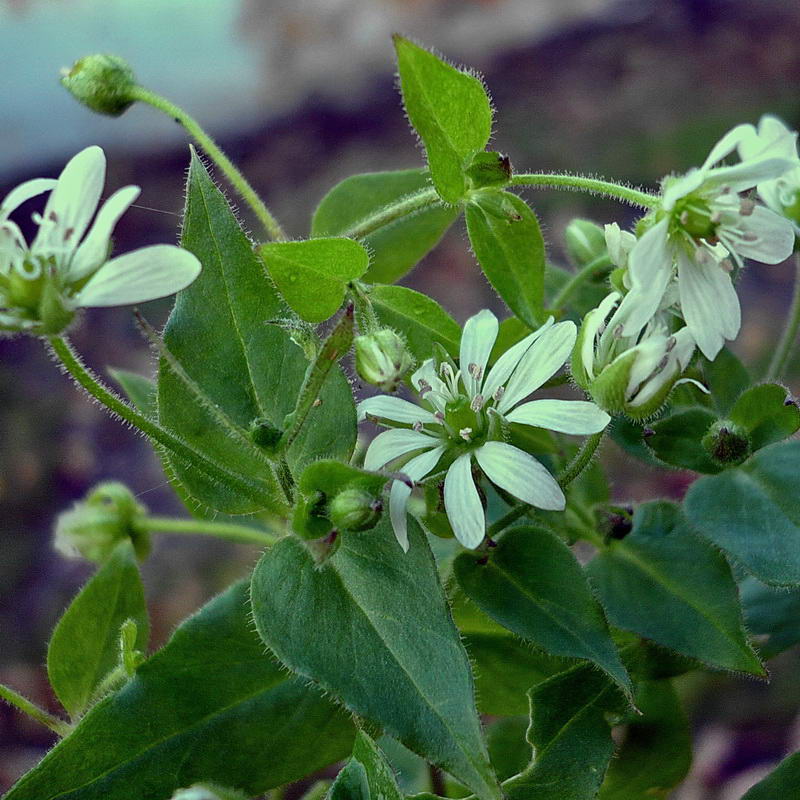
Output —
(93, 527)
(265, 434)
(382, 358)
(727, 443)
(585, 241)
(102, 82)
(488, 169)
(355, 510)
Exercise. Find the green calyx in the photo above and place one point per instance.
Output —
(382, 358)
(727, 443)
(103, 82)
(32, 295)
(355, 509)
(93, 527)
(695, 217)
(488, 169)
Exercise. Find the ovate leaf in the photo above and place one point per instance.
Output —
(753, 514)
(450, 111)
(772, 615)
(666, 584)
(397, 247)
(570, 735)
(380, 778)
(418, 317)
(210, 706)
(656, 752)
(312, 276)
(85, 646)
(220, 332)
(510, 250)
(533, 586)
(767, 413)
(783, 782)
(372, 627)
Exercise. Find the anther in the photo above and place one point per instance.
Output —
(477, 403)
(746, 206)
(417, 426)
(465, 434)
(475, 371)
(499, 392)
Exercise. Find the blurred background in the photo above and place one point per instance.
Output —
(301, 94)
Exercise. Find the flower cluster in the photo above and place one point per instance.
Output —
(460, 422)
(42, 284)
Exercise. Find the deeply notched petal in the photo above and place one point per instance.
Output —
(392, 444)
(577, 417)
(394, 408)
(477, 341)
(463, 503)
(24, 192)
(145, 274)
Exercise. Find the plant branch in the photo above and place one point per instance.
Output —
(58, 726)
(388, 214)
(582, 184)
(219, 530)
(783, 351)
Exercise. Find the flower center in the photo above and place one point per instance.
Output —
(696, 218)
(464, 420)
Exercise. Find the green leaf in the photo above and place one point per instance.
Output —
(248, 369)
(764, 413)
(677, 440)
(450, 111)
(629, 436)
(380, 778)
(398, 246)
(139, 390)
(570, 736)
(85, 645)
(372, 627)
(666, 584)
(510, 250)
(783, 782)
(312, 276)
(752, 513)
(351, 783)
(418, 317)
(508, 747)
(210, 706)
(656, 752)
(726, 378)
(772, 616)
(533, 586)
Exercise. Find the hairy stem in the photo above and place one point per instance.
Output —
(58, 726)
(84, 378)
(601, 263)
(219, 530)
(212, 149)
(783, 351)
(388, 214)
(583, 184)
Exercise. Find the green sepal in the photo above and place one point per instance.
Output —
(449, 109)
(488, 169)
(677, 440)
(767, 413)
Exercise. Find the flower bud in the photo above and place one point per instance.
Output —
(355, 509)
(102, 82)
(585, 241)
(488, 169)
(382, 358)
(265, 434)
(92, 528)
(727, 443)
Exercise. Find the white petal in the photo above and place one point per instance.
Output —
(417, 468)
(727, 144)
(775, 237)
(567, 416)
(24, 192)
(773, 140)
(463, 503)
(590, 327)
(741, 177)
(392, 444)
(477, 341)
(505, 365)
(73, 201)
(680, 187)
(139, 276)
(709, 304)
(543, 358)
(93, 251)
(394, 408)
(427, 373)
(520, 474)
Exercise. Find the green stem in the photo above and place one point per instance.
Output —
(219, 530)
(58, 726)
(385, 216)
(582, 459)
(789, 335)
(232, 173)
(589, 270)
(583, 184)
(84, 378)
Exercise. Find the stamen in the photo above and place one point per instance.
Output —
(475, 371)
(477, 403)
(499, 392)
(671, 342)
(439, 416)
(618, 331)
(749, 236)
(465, 434)
(746, 206)
(424, 387)
(726, 264)
(417, 426)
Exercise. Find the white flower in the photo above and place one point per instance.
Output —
(772, 139)
(66, 268)
(632, 374)
(461, 416)
(700, 224)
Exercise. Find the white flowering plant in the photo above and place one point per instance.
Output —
(443, 564)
